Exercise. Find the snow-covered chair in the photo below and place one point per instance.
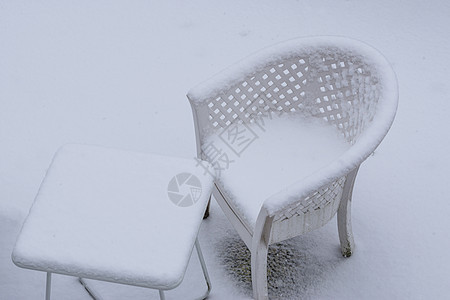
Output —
(345, 85)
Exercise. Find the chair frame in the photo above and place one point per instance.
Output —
(358, 74)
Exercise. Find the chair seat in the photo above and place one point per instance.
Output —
(105, 214)
(283, 150)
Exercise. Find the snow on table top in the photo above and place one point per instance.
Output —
(105, 214)
(285, 150)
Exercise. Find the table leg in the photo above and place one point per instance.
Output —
(162, 296)
(205, 271)
(94, 295)
(48, 287)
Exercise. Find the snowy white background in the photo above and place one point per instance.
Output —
(115, 73)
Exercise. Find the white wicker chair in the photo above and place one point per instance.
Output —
(343, 82)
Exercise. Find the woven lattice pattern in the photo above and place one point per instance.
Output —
(331, 85)
(316, 201)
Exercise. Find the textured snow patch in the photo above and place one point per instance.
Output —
(292, 266)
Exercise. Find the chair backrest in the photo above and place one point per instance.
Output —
(341, 81)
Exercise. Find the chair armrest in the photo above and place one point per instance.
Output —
(292, 196)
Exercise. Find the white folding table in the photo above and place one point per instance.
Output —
(116, 216)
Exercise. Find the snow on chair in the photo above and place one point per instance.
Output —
(256, 121)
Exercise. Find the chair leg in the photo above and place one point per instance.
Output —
(259, 272)
(344, 216)
(345, 228)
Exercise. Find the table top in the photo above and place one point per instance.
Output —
(116, 215)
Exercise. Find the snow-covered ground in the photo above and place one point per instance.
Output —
(115, 73)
